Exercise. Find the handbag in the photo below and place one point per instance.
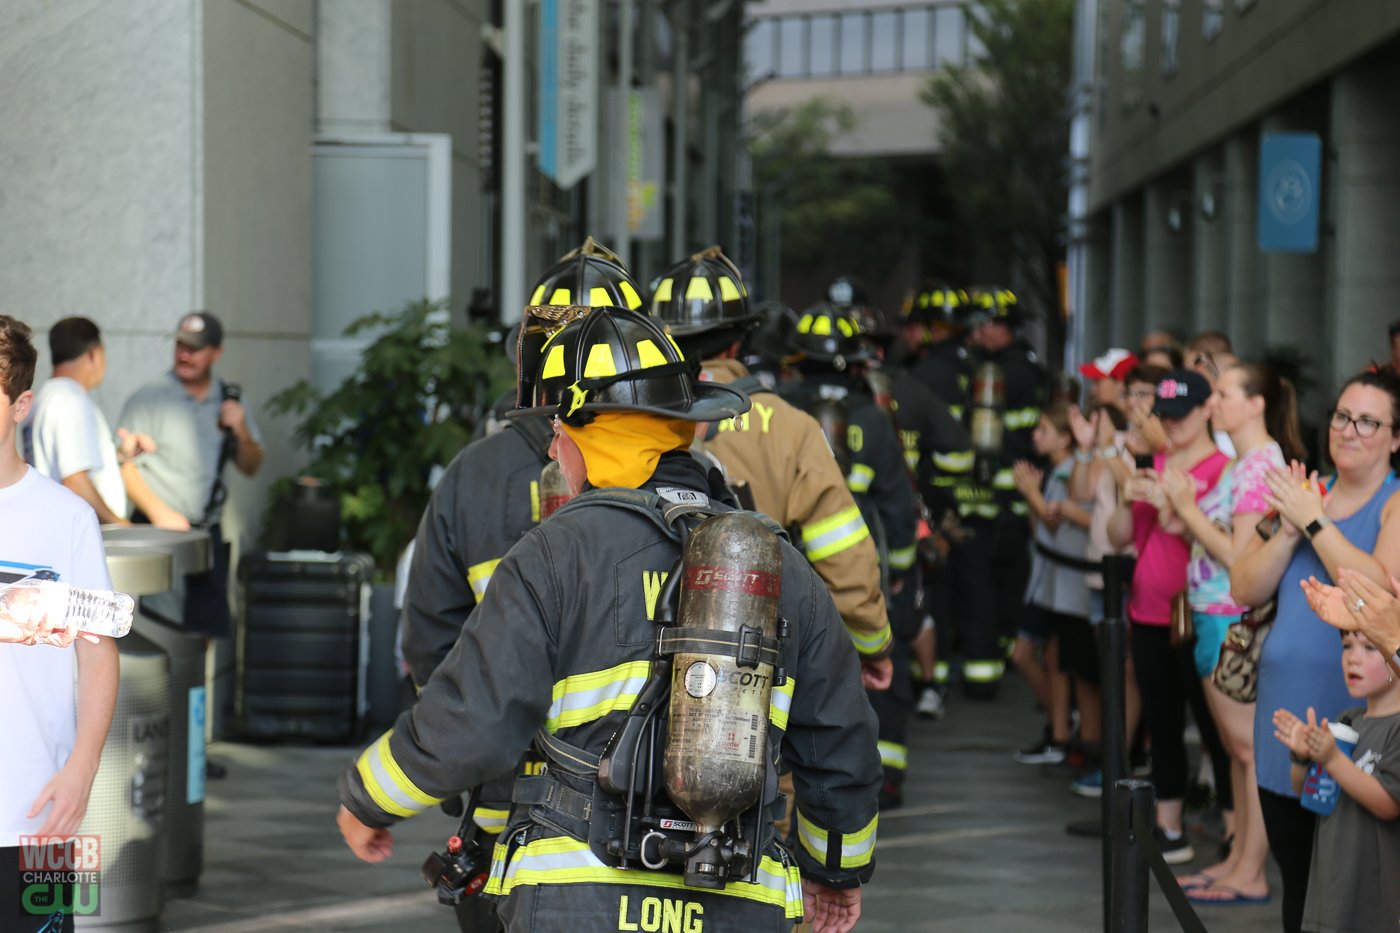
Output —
(1236, 674)
(1182, 630)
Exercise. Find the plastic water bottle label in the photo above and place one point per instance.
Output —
(194, 772)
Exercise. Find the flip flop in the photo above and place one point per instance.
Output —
(1236, 896)
(1196, 881)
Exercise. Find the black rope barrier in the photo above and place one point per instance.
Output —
(1135, 852)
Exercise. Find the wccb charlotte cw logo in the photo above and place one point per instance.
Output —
(60, 874)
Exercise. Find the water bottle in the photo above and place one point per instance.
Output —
(1320, 790)
(48, 606)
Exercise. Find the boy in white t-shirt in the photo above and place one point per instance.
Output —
(51, 739)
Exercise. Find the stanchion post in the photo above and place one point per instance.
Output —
(1128, 901)
(1112, 659)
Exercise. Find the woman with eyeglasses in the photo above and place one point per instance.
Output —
(1350, 520)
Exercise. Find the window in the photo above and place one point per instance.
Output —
(916, 41)
(1132, 47)
(1212, 19)
(884, 41)
(822, 46)
(792, 50)
(854, 47)
(1171, 35)
(950, 36)
(758, 48)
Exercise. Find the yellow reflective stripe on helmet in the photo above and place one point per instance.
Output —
(387, 785)
(902, 558)
(856, 848)
(600, 362)
(821, 326)
(845, 327)
(560, 297)
(698, 287)
(804, 324)
(728, 291)
(629, 294)
(478, 575)
(983, 672)
(870, 642)
(598, 297)
(583, 698)
(780, 703)
(860, 478)
(553, 362)
(957, 461)
(491, 821)
(834, 534)
(1004, 479)
(894, 755)
(538, 297)
(649, 354)
(663, 290)
(1017, 419)
(563, 860)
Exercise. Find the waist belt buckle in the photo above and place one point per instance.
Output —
(750, 649)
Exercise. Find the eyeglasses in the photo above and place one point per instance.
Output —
(1366, 426)
(1143, 393)
(1206, 360)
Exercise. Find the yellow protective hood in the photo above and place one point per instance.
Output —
(621, 448)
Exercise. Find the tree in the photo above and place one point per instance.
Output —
(837, 214)
(1005, 136)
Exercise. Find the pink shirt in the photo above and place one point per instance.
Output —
(1161, 565)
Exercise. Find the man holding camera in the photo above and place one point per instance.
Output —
(199, 425)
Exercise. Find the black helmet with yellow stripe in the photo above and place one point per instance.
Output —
(703, 303)
(936, 304)
(828, 334)
(591, 276)
(618, 360)
(992, 304)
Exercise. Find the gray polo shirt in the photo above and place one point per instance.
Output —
(188, 439)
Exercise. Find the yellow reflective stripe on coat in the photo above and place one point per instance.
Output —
(940, 672)
(780, 703)
(583, 698)
(478, 575)
(1019, 419)
(490, 821)
(903, 558)
(979, 511)
(1004, 479)
(894, 755)
(870, 642)
(856, 848)
(834, 534)
(957, 461)
(860, 478)
(983, 672)
(387, 785)
(564, 860)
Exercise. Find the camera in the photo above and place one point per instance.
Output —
(459, 872)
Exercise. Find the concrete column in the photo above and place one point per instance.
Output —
(1365, 288)
(1236, 212)
(1209, 268)
(354, 51)
(1167, 255)
(1295, 296)
(1126, 248)
(1098, 286)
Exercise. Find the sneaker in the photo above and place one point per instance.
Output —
(1140, 763)
(1041, 752)
(1088, 784)
(930, 705)
(1176, 851)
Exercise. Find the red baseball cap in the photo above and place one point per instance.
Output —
(1114, 364)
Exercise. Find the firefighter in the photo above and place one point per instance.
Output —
(778, 453)
(993, 565)
(578, 597)
(487, 499)
(834, 389)
(931, 438)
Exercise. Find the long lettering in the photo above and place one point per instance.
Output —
(622, 922)
(765, 414)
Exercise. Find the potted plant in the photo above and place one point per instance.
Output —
(410, 406)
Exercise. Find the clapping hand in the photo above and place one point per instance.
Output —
(1085, 430)
(1028, 478)
(1296, 494)
(1292, 731)
(1358, 604)
(1178, 489)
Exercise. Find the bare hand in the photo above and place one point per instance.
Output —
(1141, 486)
(1322, 744)
(1027, 477)
(1291, 731)
(130, 446)
(1330, 604)
(1296, 494)
(1054, 515)
(829, 910)
(1378, 615)
(68, 791)
(1085, 430)
(368, 843)
(169, 519)
(233, 416)
(28, 618)
(1178, 489)
(1151, 433)
(876, 675)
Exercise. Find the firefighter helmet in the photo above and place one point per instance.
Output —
(847, 292)
(703, 293)
(936, 304)
(875, 325)
(828, 334)
(618, 360)
(989, 304)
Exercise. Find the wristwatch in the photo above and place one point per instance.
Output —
(1108, 453)
(1083, 456)
(1297, 760)
(1315, 526)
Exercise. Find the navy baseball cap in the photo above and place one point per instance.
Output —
(200, 329)
(1182, 392)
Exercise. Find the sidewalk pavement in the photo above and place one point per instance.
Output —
(979, 844)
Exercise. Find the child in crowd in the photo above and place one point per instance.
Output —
(1351, 885)
(1056, 623)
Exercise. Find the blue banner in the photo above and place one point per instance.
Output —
(194, 760)
(1290, 189)
(548, 109)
